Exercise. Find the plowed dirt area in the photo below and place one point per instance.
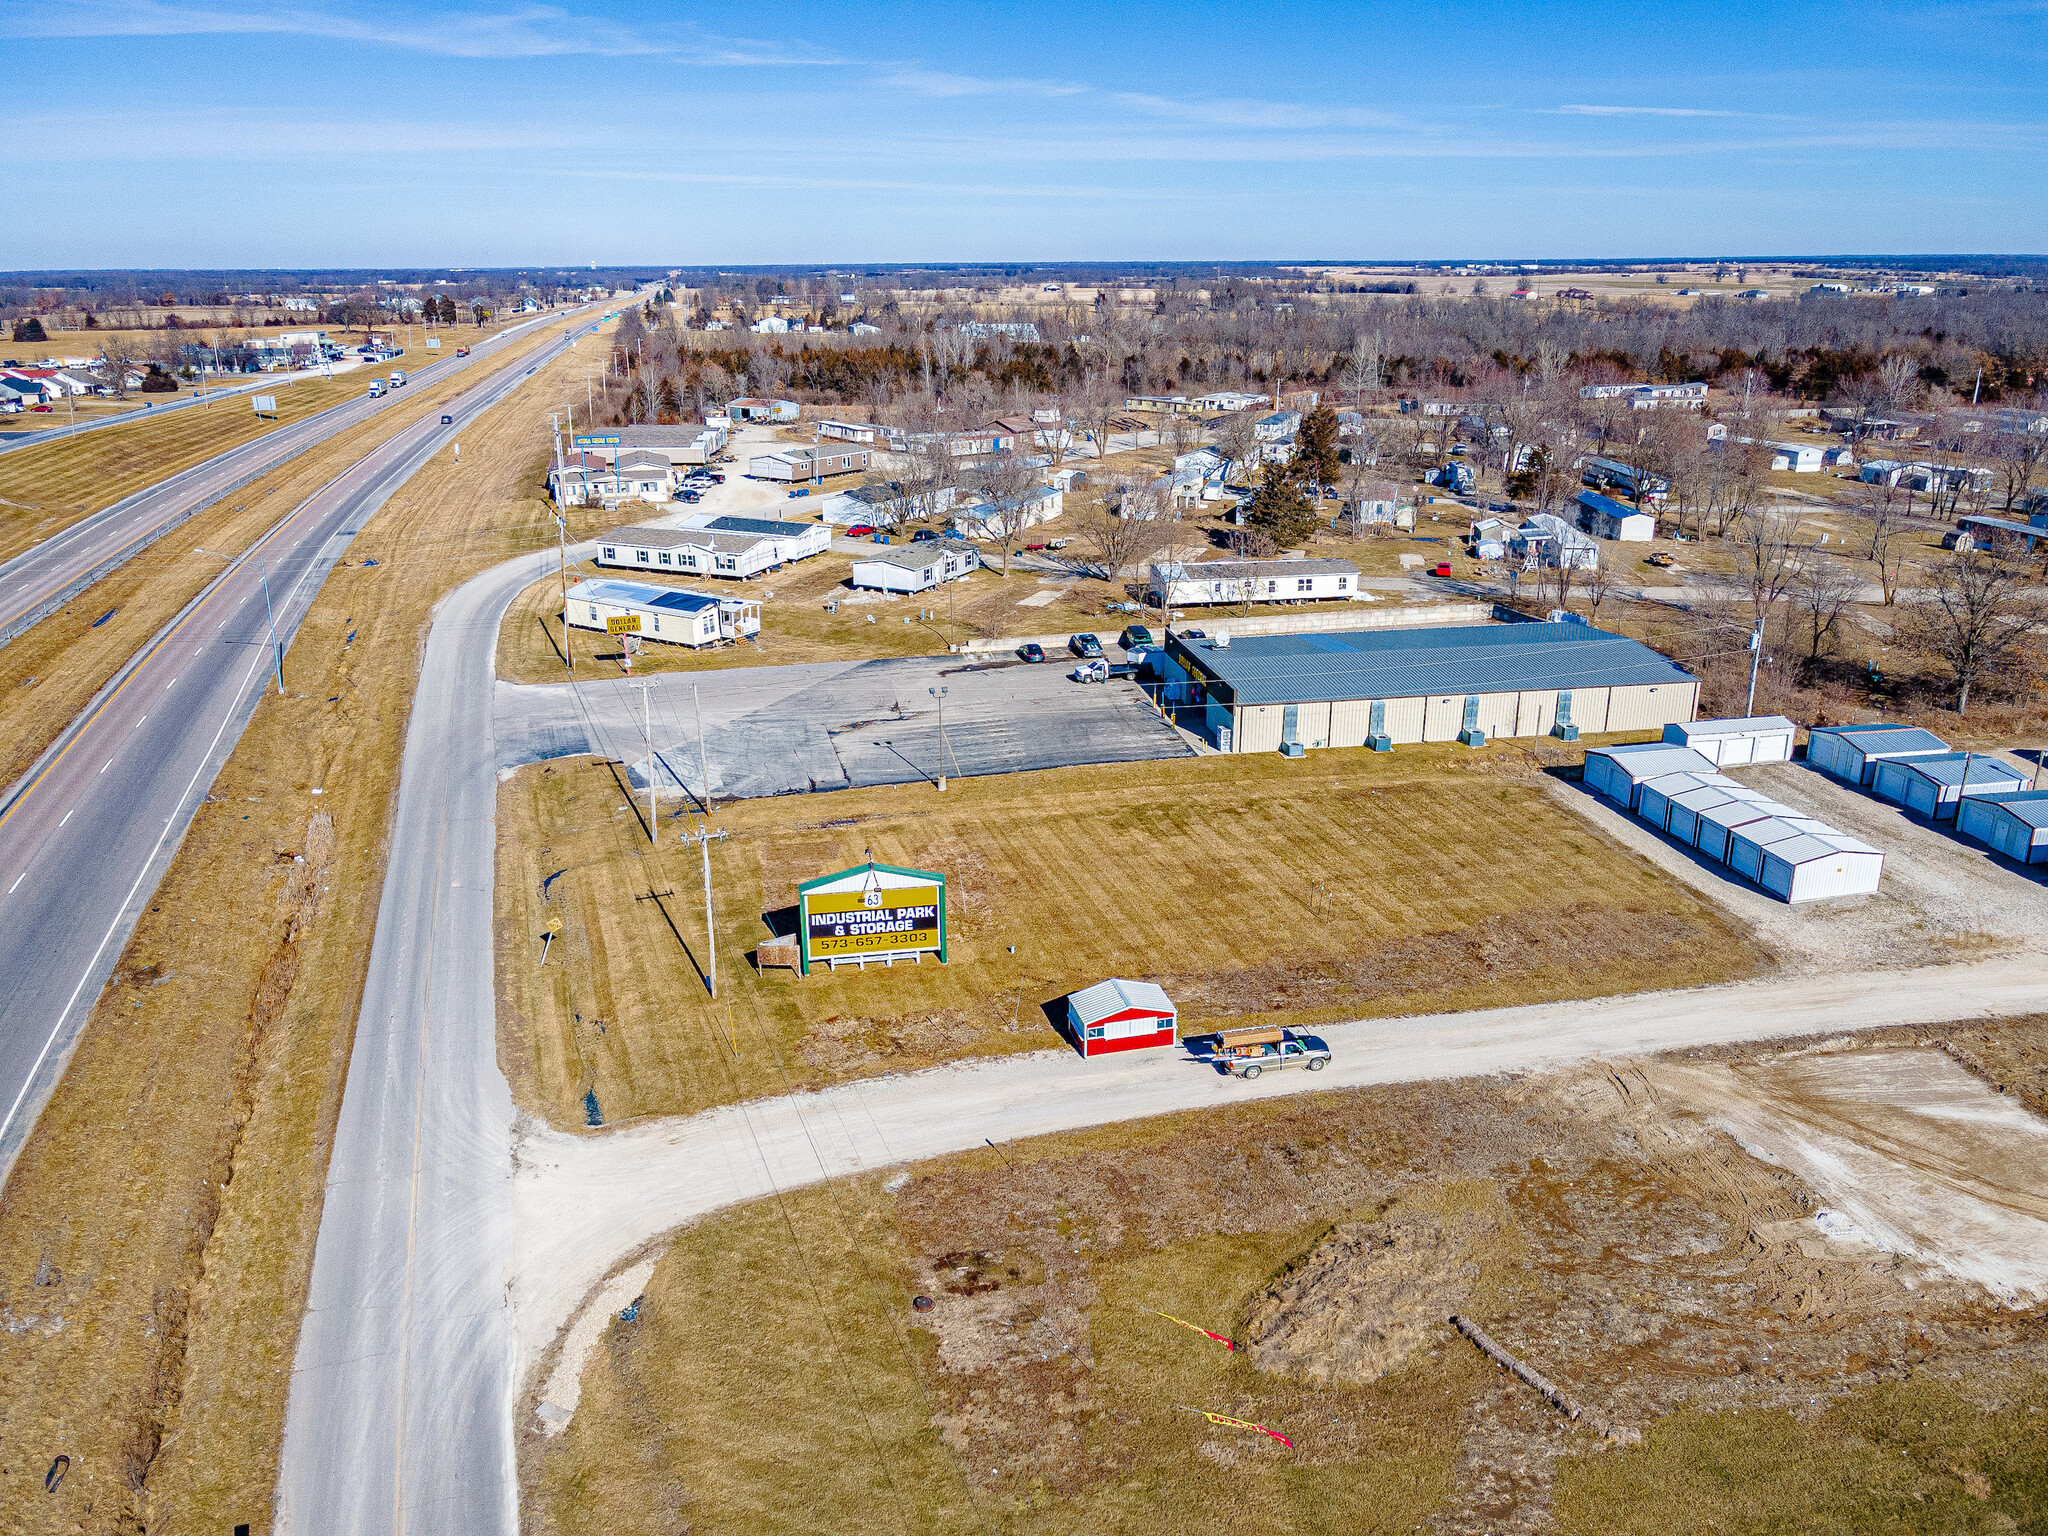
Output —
(1739, 1366)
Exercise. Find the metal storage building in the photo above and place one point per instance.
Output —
(2015, 825)
(1120, 1015)
(1619, 773)
(1717, 825)
(1933, 785)
(1657, 798)
(1852, 752)
(1445, 683)
(1732, 743)
(1820, 864)
(1748, 843)
(1682, 820)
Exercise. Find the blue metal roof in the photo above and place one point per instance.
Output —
(641, 594)
(1947, 770)
(1882, 740)
(1445, 660)
(2028, 805)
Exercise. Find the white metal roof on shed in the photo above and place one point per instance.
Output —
(1091, 1005)
(1651, 759)
(2029, 805)
(1749, 725)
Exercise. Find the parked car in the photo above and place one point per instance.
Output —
(1084, 646)
(1441, 568)
(1096, 671)
(922, 534)
(1031, 651)
(1136, 637)
(687, 494)
(861, 531)
(1246, 1053)
(1660, 560)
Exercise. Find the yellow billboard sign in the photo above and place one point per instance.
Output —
(877, 911)
(622, 624)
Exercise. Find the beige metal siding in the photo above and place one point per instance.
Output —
(1647, 706)
(1350, 720)
(1312, 726)
(1497, 713)
(1258, 728)
(1535, 713)
(1405, 720)
(1589, 710)
(1444, 717)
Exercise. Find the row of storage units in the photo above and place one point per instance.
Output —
(1680, 792)
(1987, 799)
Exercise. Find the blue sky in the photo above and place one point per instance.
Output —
(300, 132)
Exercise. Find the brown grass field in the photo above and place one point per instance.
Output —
(1248, 887)
(46, 488)
(165, 1210)
(777, 1380)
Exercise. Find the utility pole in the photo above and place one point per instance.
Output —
(945, 750)
(1756, 654)
(562, 564)
(647, 740)
(276, 650)
(703, 837)
(703, 758)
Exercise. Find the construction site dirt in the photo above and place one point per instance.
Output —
(1708, 1253)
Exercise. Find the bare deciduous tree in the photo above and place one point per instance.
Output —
(1004, 508)
(1237, 439)
(1824, 589)
(1976, 615)
(1095, 406)
(1768, 559)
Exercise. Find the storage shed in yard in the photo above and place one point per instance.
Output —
(1441, 683)
(1732, 743)
(1120, 1015)
(1619, 773)
(2015, 825)
(1606, 518)
(666, 613)
(1933, 785)
(1852, 752)
(916, 567)
(1820, 864)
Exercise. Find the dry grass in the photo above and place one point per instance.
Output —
(1201, 875)
(170, 1196)
(795, 626)
(776, 1378)
(46, 488)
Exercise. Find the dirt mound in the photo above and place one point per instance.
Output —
(1364, 1299)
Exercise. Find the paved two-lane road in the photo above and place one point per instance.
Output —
(86, 836)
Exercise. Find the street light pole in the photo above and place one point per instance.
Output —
(1756, 654)
(276, 650)
(940, 695)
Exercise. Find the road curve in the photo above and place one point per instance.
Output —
(400, 1412)
(86, 835)
(41, 579)
(451, 1249)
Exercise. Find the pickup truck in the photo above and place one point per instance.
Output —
(1246, 1053)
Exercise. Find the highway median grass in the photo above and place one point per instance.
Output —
(1349, 885)
(158, 1229)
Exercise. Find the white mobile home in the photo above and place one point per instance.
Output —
(1852, 752)
(815, 463)
(1932, 786)
(737, 553)
(916, 567)
(1732, 743)
(1175, 585)
(792, 541)
(2014, 824)
(850, 431)
(668, 614)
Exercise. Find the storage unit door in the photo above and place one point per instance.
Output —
(1734, 751)
(1776, 748)
(1683, 825)
(1885, 784)
(1921, 796)
(1823, 751)
(1778, 878)
(1712, 841)
(1604, 775)
(1746, 858)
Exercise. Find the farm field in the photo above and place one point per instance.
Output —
(156, 1234)
(1347, 885)
(1729, 1357)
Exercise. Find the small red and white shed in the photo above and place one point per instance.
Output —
(1120, 1015)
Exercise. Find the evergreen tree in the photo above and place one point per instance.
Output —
(30, 329)
(1315, 447)
(1280, 509)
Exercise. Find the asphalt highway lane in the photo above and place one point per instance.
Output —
(42, 579)
(87, 834)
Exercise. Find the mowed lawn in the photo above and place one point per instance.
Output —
(1349, 885)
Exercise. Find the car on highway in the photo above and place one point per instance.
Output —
(447, 420)
(462, 351)
(1136, 637)
(1084, 646)
(1247, 1053)
(1031, 651)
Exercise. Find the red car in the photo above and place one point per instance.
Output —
(1443, 568)
(860, 531)
(42, 407)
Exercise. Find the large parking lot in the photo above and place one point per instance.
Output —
(840, 725)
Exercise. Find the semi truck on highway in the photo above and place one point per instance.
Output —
(397, 377)
(376, 388)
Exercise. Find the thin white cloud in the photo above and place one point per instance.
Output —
(1583, 109)
(516, 32)
(1240, 112)
(940, 83)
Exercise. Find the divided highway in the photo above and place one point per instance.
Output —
(88, 833)
(37, 582)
